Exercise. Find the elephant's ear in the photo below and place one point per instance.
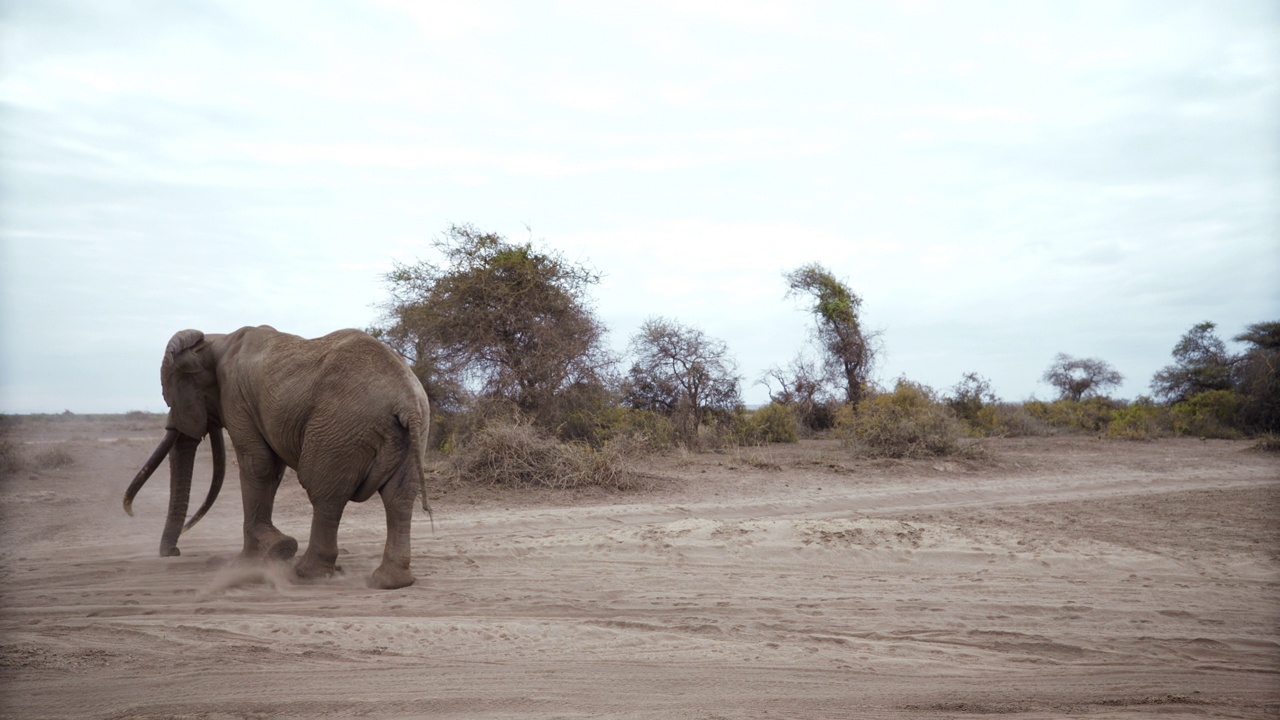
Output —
(183, 378)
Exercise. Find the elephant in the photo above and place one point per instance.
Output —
(344, 411)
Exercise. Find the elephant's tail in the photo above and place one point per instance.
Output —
(417, 423)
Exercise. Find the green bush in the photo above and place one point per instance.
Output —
(906, 423)
(1141, 420)
(772, 423)
(1212, 413)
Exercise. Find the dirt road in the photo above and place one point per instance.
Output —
(1063, 576)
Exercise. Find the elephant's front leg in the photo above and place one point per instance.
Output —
(260, 475)
(394, 571)
(322, 552)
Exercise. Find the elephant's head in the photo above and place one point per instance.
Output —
(188, 378)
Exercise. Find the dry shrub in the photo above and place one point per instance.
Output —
(718, 433)
(1266, 443)
(520, 455)
(906, 423)
(1006, 420)
(12, 459)
(53, 458)
(1091, 415)
(773, 423)
(644, 429)
(755, 459)
(982, 413)
(140, 420)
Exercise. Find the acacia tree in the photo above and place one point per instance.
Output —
(1079, 378)
(847, 351)
(495, 319)
(1201, 363)
(680, 371)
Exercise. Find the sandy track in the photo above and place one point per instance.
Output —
(1064, 577)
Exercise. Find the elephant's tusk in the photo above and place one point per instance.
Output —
(219, 471)
(149, 467)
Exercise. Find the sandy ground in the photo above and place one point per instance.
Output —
(1062, 577)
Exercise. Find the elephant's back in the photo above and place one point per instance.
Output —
(357, 368)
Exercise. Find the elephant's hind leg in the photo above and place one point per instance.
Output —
(394, 571)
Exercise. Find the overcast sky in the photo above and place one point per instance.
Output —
(999, 181)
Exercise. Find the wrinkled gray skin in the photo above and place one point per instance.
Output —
(344, 411)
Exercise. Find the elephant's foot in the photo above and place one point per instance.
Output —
(310, 566)
(283, 548)
(390, 577)
(171, 551)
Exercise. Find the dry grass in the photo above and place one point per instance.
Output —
(12, 459)
(759, 458)
(1266, 443)
(517, 454)
(16, 458)
(53, 458)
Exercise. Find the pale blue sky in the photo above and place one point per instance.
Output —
(1000, 181)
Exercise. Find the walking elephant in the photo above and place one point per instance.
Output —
(344, 411)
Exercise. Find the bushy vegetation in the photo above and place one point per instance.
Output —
(1005, 419)
(1266, 443)
(970, 396)
(644, 429)
(1140, 420)
(524, 392)
(1086, 416)
(909, 422)
(773, 423)
(519, 454)
(684, 374)
(980, 410)
(1211, 392)
(1207, 414)
(1212, 413)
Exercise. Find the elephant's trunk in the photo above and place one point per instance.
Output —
(182, 462)
(219, 471)
(148, 468)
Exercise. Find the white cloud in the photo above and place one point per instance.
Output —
(999, 182)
